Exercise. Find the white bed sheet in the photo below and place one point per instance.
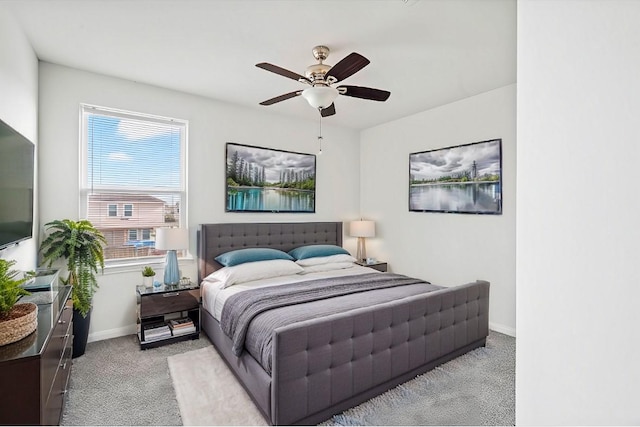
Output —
(214, 297)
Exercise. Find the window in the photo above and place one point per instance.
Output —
(138, 162)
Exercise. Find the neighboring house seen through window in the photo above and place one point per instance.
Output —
(133, 178)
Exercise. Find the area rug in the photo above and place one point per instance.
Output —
(477, 388)
(207, 392)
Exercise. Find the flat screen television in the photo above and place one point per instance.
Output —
(16, 186)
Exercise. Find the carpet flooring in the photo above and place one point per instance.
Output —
(115, 383)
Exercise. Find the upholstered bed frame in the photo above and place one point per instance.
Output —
(326, 365)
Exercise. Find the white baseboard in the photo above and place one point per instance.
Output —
(112, 333)
(502, 329)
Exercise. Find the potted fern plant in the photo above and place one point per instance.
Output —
(16, 320)
(82, 246)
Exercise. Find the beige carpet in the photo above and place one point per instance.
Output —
(208, 393)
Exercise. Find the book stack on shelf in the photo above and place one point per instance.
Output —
(182, 326)
(156, 331)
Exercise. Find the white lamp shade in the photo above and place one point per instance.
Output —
(320, 96)
(362, 228)
(172, 238)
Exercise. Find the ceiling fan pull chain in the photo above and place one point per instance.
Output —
(320, 135)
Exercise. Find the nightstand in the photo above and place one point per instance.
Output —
(378, 265)
(168, 314)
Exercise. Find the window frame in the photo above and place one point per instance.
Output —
(129, 231)
(115, 214)
(85, 187)
(143, 231)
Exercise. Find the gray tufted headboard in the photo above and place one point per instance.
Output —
(215, 239)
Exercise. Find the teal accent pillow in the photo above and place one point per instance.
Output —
(241, 256)
(312, 251)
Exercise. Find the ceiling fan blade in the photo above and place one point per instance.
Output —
(281, 98)
(281, 71)
(348, 66)
(329, 111)
(364, 92)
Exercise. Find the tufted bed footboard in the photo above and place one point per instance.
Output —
(324, 366)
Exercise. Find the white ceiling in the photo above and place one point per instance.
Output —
(425, 52)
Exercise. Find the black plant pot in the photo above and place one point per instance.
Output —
(80, 332)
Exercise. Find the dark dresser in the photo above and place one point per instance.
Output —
(35, 370)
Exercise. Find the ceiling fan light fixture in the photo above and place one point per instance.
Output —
(320, 77)
(320, 97)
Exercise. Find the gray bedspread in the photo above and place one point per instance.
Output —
(250, 317)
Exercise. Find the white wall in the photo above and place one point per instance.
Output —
(446, 249)
(577, 232)
(19, 109)
(211, 125)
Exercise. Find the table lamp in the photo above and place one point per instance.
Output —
(171, 240)
(362, 229)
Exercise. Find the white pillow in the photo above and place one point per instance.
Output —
(326, 260)
(327, 267)
(249, 271)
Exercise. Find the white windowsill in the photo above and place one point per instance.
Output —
(126, 266)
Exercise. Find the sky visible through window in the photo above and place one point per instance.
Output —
(134, 178)
(126, 153)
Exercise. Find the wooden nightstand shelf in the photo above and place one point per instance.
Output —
(157, 307)
(378, 265)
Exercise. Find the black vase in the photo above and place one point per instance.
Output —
(80, 332)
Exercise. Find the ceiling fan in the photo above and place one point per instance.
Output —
(320, 77)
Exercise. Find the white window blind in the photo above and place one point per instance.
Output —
(135, 162)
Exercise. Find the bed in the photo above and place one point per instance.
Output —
(324, 365)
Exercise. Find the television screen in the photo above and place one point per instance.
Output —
(16, 186)
(462, 179)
